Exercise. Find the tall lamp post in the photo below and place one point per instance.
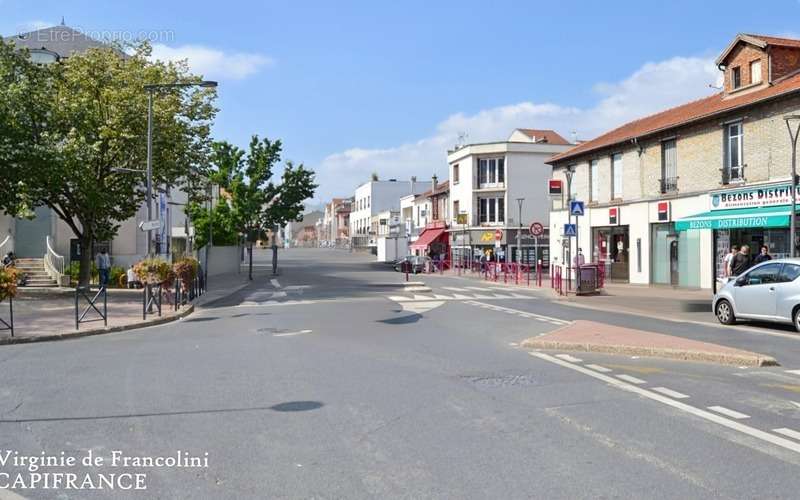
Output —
(793, 133)
(151, 89)
(520, 201)
(569, 172)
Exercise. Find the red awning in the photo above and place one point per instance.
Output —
(426, 238)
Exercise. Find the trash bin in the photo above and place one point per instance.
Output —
(587, 279)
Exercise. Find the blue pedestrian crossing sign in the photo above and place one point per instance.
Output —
(570, 230)
(576, 207)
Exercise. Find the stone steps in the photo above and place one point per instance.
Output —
(34, 269)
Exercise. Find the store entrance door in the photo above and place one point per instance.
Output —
(611, 248)
(674, 274)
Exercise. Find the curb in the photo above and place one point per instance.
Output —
(679, 354)
(98, 331)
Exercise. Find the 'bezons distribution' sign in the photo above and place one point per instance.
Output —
(753, 197)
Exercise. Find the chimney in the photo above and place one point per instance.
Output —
(434, 182)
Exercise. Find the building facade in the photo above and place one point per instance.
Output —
(666, 196)
(486, 180)
(372, 198)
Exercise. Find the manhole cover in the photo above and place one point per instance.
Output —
(500, 380)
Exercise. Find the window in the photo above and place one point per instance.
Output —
(763, 275)
(669, 166)
(616, 175)
(733, 170)
(593, 178)
(455, 173)
(736, 77)
(789, 273)
(456, 210)
(755, 71)
(492, 210)
(491, 171)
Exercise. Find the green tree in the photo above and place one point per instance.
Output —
(251, 201)
(80, 120)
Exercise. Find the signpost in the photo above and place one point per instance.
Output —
(462, 219)
(536, 229)
(151, 225)
(570, 230)
(576, 208)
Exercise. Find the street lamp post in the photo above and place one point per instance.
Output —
(151, 89)
(520, 201)
(569, 172)
(793, 134)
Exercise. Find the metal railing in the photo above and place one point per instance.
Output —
(733, 174)
(4, 243)
(669, 184)
(53, 263)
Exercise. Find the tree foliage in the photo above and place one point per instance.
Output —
(67, 127)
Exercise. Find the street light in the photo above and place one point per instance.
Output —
(520, 201)
(151, 89)
(793, 133)
(569, 172)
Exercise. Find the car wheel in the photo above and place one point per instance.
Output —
(724, 312)
(796, 319)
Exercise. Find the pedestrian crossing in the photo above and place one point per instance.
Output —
(424, 297)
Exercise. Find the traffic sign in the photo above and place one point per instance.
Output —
(576, 207)
(570, 230)
(462, 219)
(151, 225)
(498, 235)
(537, 229)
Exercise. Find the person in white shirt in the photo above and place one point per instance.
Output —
(133, 279)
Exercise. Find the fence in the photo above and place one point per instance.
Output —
(9, 325)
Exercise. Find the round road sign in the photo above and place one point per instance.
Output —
(537, 229)
(498, 234)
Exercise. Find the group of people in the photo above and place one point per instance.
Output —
(738, 259)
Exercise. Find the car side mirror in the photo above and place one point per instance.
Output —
(741, 281)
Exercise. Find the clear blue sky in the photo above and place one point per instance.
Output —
(338, 75)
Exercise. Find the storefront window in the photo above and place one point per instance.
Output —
(610, 247)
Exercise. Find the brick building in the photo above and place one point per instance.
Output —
(669, 193)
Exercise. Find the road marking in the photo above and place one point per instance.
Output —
(567, 357)
(555, 321)
(711, 417)
(399, 298)
(788, 432)
(728, 412)
(457, 296)
(275, 283)
(793, 372)
(670, 393)
(631, 379)
(480, 289)
(421, 307)
(410, 289)
(598, 368)
(291, 334)
(454, 289)
(423, 297)
(501, 296)
(441, 297)
(277, 295)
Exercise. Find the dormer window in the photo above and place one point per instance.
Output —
(755, 72)
(736, 77)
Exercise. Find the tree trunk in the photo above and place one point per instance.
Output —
(274, 259)
(250, 256)
(85, 273)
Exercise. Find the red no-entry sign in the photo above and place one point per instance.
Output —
(498, 234)
(537, 229)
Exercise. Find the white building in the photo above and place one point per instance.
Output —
(374, 197)
(486, 180)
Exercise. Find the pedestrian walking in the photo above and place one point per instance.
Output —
(103, 263)
(726, 261)
(741, 261)
(763, 256)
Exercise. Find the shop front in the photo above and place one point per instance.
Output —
(611, 248)
(753, 216)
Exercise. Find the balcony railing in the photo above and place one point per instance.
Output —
(669, 185)
(733, 174)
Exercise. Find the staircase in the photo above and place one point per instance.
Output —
(37, 276)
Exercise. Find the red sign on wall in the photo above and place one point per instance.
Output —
(555, 187)
(613, 216)
(663, 211)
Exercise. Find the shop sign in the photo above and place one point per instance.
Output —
(555, 186)
(487, 237)
(663, 211)
(734, 222)
(753, 197)
(613, 216)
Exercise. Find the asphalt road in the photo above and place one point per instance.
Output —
(324, 383)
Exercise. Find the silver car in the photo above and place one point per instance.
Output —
(769, 291)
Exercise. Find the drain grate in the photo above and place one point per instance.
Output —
(500, 380)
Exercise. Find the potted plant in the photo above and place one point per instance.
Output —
(154, 272)
(8, 283)
(186, 269)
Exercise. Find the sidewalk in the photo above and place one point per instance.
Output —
(50, 314)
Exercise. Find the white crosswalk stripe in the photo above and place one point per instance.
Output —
(670, 393)
(728, 412)
(631, 379)
(598, 368)
(788, 432)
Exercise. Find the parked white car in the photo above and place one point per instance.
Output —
(769, 291)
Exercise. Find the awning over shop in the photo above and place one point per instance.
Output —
(777, 216)
(426, 238)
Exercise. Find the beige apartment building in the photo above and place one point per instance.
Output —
(667, 195)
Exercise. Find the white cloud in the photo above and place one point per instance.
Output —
(651, 88)
(214, 63)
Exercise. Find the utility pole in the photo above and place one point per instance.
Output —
(149, 168)
(520, 201)
(793, 134)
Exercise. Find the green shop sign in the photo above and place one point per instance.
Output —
(740, 218)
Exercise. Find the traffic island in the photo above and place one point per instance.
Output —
(590, 336)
